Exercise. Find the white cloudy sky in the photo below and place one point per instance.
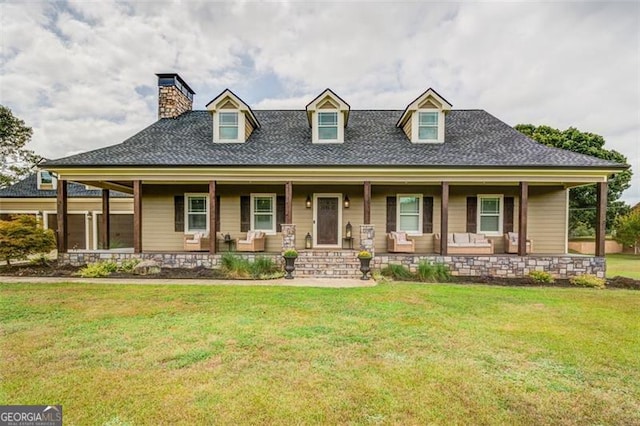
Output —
(82, 73)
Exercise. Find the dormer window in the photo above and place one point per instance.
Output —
(328, 115)
(228, 127)
(423, 119)
(46, 180)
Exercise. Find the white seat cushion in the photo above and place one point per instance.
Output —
(461, 237)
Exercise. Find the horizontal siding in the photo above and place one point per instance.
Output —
(547, 219)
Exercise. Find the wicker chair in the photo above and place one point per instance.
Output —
(511, 243)
(253, 242)
(196, 242)
(397, 242)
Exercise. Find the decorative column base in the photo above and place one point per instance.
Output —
(367, 238)
(288, 237)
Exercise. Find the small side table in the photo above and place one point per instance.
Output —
(349, 241)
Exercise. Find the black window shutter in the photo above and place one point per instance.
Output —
(507, 219)
(280, 200)
(178, 216)
(427, 215)
(217, 213)
(245, 213)
(391, 214)
(472, 213)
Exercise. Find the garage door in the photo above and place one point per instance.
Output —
(120, 230)
(76, 230)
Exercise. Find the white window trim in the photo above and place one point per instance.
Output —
(94, 216)
(186, 211)
(420, 214)
(315, 127)
(500, 215)
(273, 197)
(46, 186)
(415, 126)
(216, 126)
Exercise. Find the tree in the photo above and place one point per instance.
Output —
(19, 162)
(22, 237)
(582, 200)
(628, 230)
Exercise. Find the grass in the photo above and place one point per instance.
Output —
(626, 265)
(392, 354)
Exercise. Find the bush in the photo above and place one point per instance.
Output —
(265, 268)
(541, 277)
(238, 267)
(128, 265)
(98, 269)
(22, 237)
(432, 272)
(588, 281)
(397, 272)
(290, 253)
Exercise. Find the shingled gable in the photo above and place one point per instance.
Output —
(423, 120)
(328, 115)
(231, 117)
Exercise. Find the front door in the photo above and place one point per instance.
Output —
(327, 220)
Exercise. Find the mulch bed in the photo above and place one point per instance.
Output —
(52, 269)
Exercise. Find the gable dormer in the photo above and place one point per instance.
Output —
(423, 119)
(328, 115)
(233, 120)
(46, 180)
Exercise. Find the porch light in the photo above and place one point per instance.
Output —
(308, 241)
(347, 202)
(349, 229)
(308, 202)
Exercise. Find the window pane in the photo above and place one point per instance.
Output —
(489, 224)
(228, 132)
(263, 222)
(197, 222)
(409, 205)
(328, 118)
(197, 204)
(429, 118)
(263, 204)
(328, 133)
(490, 206)
(229, 118)
(409, 223)
(428, 133)
(45, 177)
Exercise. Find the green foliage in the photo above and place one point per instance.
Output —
(40, 259)
(24, 236)
(541, 277)
(128, 265)
(628, 230)
(18, 162)
(581, 229)
(432, 272)
(237, 267)
(582, 200)
(365, 254)
(397, 272)
(98, 269)
(587, 280)
(290, 253)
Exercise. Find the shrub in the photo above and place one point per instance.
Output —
(541, 277)
(128, 265)
(238, 267)
(24, 236)
(628, 230)
(587, 280)
(265, 268)
(432, 272)
(290, 253)
(397, 272)
(98, 269)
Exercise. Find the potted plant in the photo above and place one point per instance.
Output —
(365, 263)
(290, 256)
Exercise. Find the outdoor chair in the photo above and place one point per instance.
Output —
(253, 242)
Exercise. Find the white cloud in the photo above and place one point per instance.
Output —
(71, 70)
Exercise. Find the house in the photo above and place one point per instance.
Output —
(303, 176)
(36, 196)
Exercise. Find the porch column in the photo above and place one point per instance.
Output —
(61, 210)
(213, 232)
(522, 218)
(444, 218)
(106, 221)
(601, 218)
(137, 216)
(367, 203)
(288, 202)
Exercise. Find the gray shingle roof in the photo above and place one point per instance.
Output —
(472, 138)
(28, 188)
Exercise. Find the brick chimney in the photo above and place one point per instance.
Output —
(174, 96)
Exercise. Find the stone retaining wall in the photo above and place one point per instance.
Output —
(165, 260)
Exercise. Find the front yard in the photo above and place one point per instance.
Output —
(400, 354)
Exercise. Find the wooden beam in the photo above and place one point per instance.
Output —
(288, 202)
(367, 203)
(106, 220)
(137, 216)
(213, 232)
(601, 218)
(523, 208)
(61, 209)
(444, 218)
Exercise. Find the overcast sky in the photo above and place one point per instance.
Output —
(81, 74)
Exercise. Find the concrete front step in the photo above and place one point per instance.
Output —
(326, 263)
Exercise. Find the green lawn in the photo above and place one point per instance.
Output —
(626, 265)
(392, 354)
